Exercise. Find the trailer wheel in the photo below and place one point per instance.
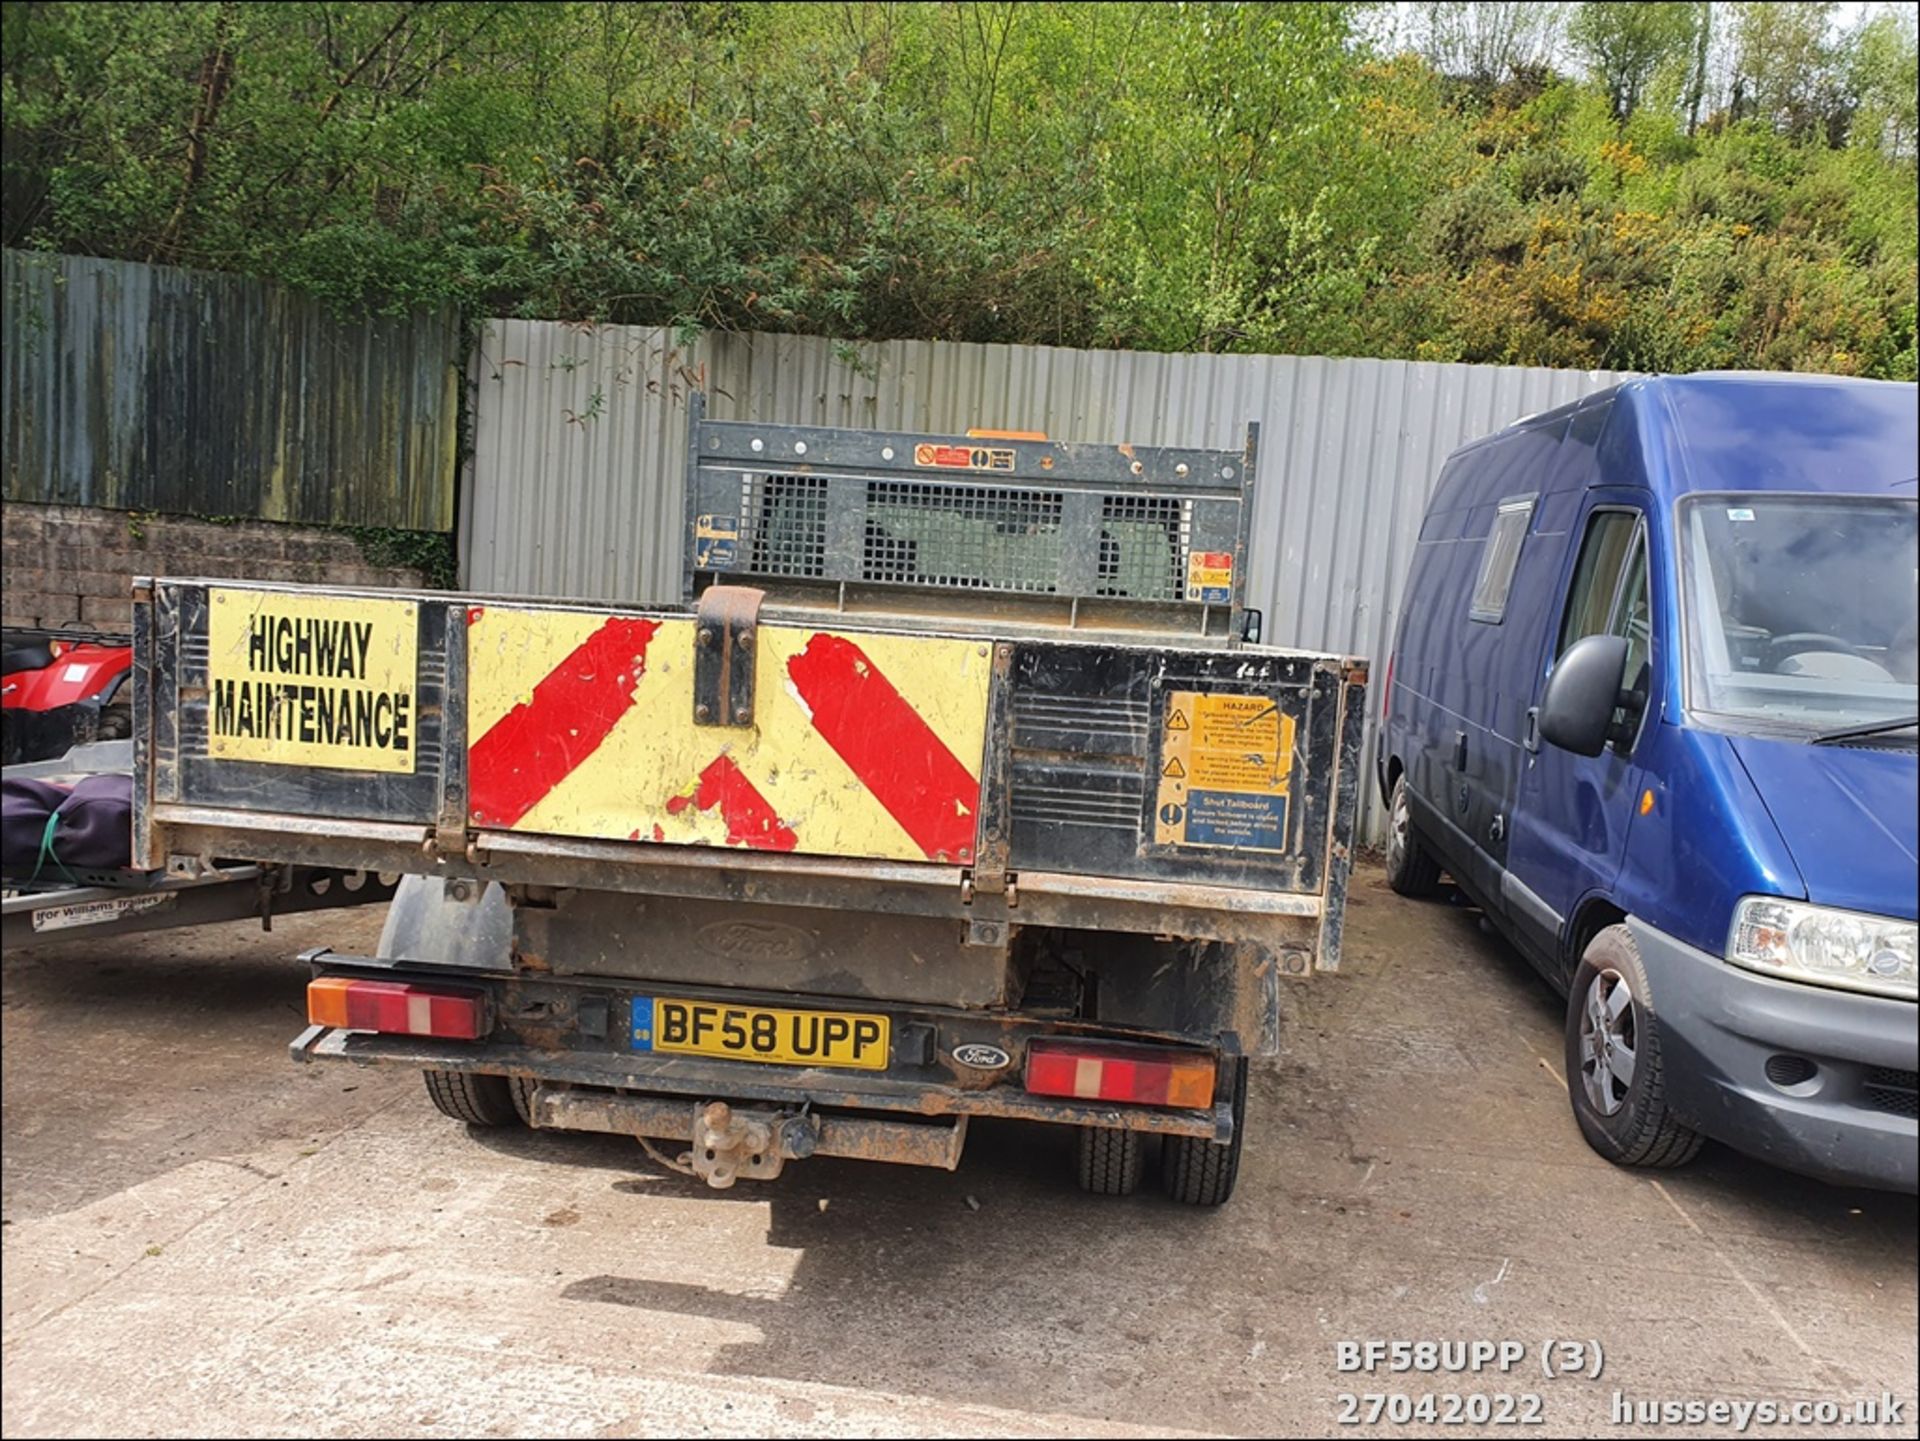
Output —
(1199, 1172)
(477, 1100)
(1411, 869)
(1110, 1161)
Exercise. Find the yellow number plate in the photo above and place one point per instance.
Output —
(760, 1033)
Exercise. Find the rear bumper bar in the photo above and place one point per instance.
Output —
(693, 1078)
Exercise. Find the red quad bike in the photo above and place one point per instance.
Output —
(59, 689)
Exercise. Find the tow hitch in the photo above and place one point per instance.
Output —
(730, 1142)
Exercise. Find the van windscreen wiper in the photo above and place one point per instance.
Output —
(1860, 732)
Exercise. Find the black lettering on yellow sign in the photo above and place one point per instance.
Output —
(312, 680)
(1173, 768)
(1177, 721)
(311, 714)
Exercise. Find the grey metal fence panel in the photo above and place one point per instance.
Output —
(145, 387)
(576, 483)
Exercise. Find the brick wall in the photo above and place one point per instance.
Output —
(68, 565)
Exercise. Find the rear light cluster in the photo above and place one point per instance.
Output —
(396, 1008)
(1144, 1075)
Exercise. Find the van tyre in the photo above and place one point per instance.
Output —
(477, 1100)
(1613, 1052)
(1200, 1172)
(1411, 869)
(1111, 1161)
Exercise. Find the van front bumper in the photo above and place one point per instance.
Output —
(1852, 1120)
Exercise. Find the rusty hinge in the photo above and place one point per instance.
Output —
(724, 646)
(990, 879)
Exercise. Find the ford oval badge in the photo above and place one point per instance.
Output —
(982, 1057)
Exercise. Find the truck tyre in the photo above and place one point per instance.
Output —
(1200, 1172)
(520, 1092)
(1614, 1077)
(477, 1100)
(1110, 1161)
(1411, 869)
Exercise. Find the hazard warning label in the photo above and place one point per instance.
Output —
(1226, 762)
(1210, 577)
(963, 457)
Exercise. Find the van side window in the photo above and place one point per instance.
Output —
(1590, 604)
(1633, 611)
(1502, 558)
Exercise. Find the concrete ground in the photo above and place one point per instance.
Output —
(201, 1238)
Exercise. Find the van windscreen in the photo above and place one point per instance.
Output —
(1801, 609)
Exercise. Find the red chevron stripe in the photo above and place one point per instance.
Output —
(539, 743)
(889, 746)
(751, 820)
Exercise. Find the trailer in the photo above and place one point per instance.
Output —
(64, 903)
(957, 784)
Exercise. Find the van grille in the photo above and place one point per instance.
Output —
(1892, 1091)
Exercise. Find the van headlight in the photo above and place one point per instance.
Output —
(1829, 947)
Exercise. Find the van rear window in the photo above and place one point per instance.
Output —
(1502, 558)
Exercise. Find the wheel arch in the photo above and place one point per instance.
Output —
(1592, 916)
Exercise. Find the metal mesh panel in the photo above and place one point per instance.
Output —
(1143, 546)
(962, 535)
(783, 523)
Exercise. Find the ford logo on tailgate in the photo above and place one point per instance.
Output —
(982, 1057)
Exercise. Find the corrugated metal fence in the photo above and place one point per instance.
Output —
(576, 481)
(144, 387)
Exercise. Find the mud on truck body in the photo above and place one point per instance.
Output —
(954, 787)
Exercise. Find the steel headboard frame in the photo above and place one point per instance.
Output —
(1079, 534)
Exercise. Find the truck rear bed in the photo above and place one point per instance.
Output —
(953, 787)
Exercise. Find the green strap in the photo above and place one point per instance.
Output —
(47, 852)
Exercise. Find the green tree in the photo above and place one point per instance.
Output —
(1625, 41)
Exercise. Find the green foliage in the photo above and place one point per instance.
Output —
(1722, 185)
(1625, 41)
(430, 552)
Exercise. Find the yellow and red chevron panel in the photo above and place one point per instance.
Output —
(863, 746)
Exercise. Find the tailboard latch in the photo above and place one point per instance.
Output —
(725, 645)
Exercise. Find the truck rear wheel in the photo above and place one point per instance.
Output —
(477, 1100)
(1199, 1172)
(1110, 1161)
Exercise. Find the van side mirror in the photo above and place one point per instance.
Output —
(1250, 626)
(1576, 712)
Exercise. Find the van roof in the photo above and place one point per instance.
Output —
(1762, 430)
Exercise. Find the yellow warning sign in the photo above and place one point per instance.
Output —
(312, 680)
(1210, 576)
(1224, 773)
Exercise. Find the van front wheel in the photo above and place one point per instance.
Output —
(1411, 868)
(1614, 1071)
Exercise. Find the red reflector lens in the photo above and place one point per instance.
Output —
(394, 1007)
(1114, 1071)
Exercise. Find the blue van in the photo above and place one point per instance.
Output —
(1652, 706)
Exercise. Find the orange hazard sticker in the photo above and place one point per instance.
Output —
(1210, 576)
(963, 457)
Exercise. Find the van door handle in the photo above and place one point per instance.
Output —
(1460, 751)
(1532, 741)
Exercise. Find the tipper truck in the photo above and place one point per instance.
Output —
(957, 784)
